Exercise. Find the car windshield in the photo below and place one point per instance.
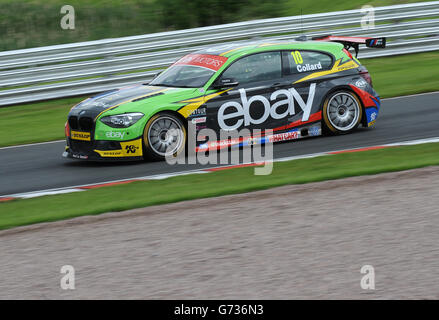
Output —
(191, 71)
(183, 76)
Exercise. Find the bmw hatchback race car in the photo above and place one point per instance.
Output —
(296, 89)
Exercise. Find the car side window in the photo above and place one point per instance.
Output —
(306, 61)
(256, 67)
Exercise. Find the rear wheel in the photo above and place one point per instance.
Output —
(342, 112)
(164, 135)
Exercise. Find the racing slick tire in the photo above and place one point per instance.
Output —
(164, 135)
(342, 112)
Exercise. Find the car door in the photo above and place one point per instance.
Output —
(302, 69)
(248, 104)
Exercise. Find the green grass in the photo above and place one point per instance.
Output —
(146, 193)
(406, 74)
(101, 19)
(44, 121)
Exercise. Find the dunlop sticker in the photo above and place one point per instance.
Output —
(77, 135)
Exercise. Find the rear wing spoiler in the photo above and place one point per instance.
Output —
(354, 42)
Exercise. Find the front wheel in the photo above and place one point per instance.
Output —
(164, 135)
(342, 112)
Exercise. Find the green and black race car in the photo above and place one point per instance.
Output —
(296, 89)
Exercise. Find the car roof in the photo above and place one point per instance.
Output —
(236, 49)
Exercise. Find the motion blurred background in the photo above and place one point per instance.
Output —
(308, 238)
(34, 23)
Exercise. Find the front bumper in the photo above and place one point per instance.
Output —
(102, 150)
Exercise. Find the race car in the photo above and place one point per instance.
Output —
(288, 90)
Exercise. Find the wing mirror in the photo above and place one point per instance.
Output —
(225, 83)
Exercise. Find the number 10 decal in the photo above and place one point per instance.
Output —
(297, 57)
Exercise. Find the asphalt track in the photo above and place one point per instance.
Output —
(40, 166)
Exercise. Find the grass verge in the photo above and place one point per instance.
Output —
(36, 122)
(147, 193)
(44, 121)
(404, 75)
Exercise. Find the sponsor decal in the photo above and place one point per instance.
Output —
(371, 115)
(132, 148)
(241, 111)
(208, 61)
(283, 136)
(378, 43)
(249, 141)
(117, 135)
(361, 84)
(345, 66)
(79, 156)
(372, 118)
(199, 112)
(219, 144)
(129, 149)
(77, 135)
(309, 67)
(110, 153)
(314, 131)
(223, 143)
(198, 120)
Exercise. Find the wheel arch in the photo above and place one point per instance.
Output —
(345, 88)
(173, 112)
(164, 111)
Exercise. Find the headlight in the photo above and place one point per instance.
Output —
(122, 120)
